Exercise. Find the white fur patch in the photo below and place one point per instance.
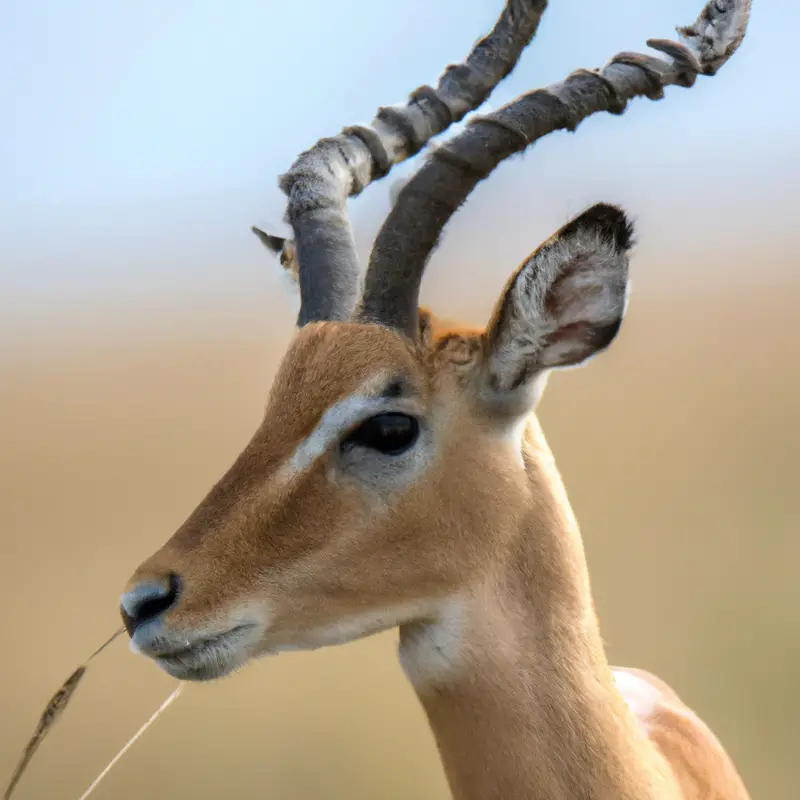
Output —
(515, 434)
(431, 652)
(640, 696)
(339, 417)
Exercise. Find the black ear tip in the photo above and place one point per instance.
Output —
(274, 243)
(614, 223)
(611, 222)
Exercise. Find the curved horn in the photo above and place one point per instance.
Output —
(322, 178)
(442, 184)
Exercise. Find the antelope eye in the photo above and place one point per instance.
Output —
(390, 434)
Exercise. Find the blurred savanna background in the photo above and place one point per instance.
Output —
(141, 324)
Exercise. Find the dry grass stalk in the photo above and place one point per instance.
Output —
(130, 742)
(55, 708)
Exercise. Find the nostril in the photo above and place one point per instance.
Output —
(148, 600)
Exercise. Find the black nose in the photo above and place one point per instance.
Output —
(148, 600)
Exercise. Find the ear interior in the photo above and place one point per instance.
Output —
(564, 304)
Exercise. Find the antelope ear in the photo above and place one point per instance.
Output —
(284, 248)
(562, 306)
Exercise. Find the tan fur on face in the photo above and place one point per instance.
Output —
(309, 546)
(466, 541)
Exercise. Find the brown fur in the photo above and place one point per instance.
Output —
(531, 711)
(465, 540)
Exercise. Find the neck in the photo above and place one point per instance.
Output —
(513, 675)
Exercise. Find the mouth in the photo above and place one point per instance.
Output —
(205, 658)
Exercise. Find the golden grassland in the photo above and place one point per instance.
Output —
(679, 449)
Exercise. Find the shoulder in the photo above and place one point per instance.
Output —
(696, 757)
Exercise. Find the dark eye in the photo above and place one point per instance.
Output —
(390, 434)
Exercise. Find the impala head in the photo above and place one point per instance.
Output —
(385, 467)
(390, 457)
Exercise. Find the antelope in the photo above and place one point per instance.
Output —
(400, 478)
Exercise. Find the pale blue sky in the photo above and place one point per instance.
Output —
(139, 131)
